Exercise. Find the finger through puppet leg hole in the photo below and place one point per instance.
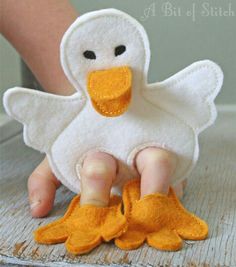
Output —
(98, 174)
(156, 167)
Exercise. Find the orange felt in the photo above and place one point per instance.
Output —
(110, 90)
(159, 219)
(83, 228)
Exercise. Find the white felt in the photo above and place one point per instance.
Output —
(44, 116)
(169, 114)
(189, 94)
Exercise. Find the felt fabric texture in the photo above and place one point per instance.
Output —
(43, 115)
(110, 90)
(158, 219)
(168, 114)
(84, 227)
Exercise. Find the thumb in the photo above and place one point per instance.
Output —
(42, 185)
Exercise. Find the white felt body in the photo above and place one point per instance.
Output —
(123, 137)
(169, 114)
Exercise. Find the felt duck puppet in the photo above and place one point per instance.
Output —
(105, 54)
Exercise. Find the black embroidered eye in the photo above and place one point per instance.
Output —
(119, 50)
(89, 54)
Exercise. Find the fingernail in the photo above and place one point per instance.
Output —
(34, 204)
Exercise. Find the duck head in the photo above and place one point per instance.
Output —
(106, 55)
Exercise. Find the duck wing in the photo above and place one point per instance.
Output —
(189, 94)
(43, 115)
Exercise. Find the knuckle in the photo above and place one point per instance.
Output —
(161, 157)
(96, 169)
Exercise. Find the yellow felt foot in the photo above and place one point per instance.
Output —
(130, 240)
(159, 219)
(84, 228)
(165, 239)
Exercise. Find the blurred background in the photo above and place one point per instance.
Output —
(180, 32)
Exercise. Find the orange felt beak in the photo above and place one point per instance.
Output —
(110, 90)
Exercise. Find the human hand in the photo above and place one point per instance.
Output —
(100, 171)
